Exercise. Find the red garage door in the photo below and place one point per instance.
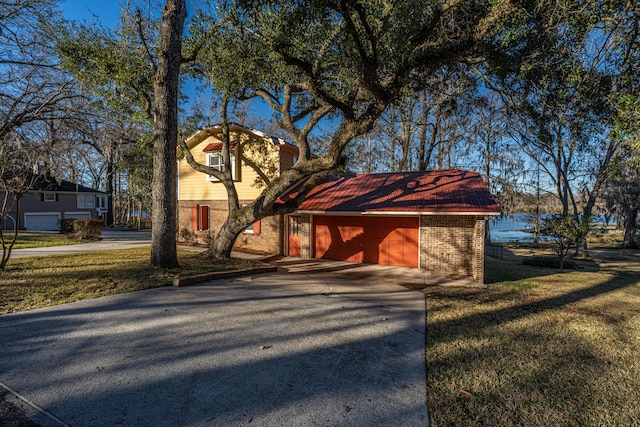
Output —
(375, 240)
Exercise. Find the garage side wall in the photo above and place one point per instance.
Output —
(305, 236)
(453, 245)
(267, 238)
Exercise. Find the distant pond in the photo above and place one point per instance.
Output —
(514, 227)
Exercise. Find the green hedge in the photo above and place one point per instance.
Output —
(66, 225)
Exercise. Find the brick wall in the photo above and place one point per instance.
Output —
(453, 245)
(268, 240)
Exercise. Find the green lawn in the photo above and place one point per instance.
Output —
(36, 282)
(538, 348)
(35, 239)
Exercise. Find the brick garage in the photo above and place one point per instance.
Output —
(200, 220)
(432, 220)
(453, 244)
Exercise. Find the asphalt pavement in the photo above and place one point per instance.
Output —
(318, 344)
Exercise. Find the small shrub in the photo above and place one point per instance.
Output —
(87, 229)
(565, 232)
(66, 225)
(549, 262)
(186, 236)
(209, 238)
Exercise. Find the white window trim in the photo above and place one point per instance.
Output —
(249, 229)
(5, 221)
(103, 204)
(85, 198)
(85, 213)
(46, 195)
(220, 165)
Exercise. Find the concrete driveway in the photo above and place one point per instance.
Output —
(322, 345)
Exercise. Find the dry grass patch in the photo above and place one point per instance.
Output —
(37, 282)
(606, 238)
(536, 350)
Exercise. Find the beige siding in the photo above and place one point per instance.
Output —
(254, 154)
(259, 165)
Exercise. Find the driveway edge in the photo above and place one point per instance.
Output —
(198, 278)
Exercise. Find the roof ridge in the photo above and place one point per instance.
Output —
(408, 172)
(274, 139)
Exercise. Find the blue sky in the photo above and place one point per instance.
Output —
(106, 11)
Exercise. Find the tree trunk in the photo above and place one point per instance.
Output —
(581, 242)
(229, 232)
(165, 136)
(6, 249)
(110, 174)
(239, 218)
(305, 174)
(423, 162)
(487, 179)
(630, 228)
(587, 211)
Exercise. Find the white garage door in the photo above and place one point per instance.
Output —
(42, 221)
(77, 215)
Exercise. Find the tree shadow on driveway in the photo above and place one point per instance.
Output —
(226, 352)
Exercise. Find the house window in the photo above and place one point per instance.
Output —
(49, 197)
(86, 201)
(253, 228)
(103, 204)
(295, 221)
(215, 161)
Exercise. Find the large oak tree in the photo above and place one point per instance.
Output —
(340, 64)
(165, 89)
(135, 70)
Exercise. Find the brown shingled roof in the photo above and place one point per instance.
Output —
(436, 192)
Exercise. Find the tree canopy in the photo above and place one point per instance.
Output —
(428, 83)
(346, 62)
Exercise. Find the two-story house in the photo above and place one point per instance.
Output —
(432, 220)
(256, 159)
(50, 201)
